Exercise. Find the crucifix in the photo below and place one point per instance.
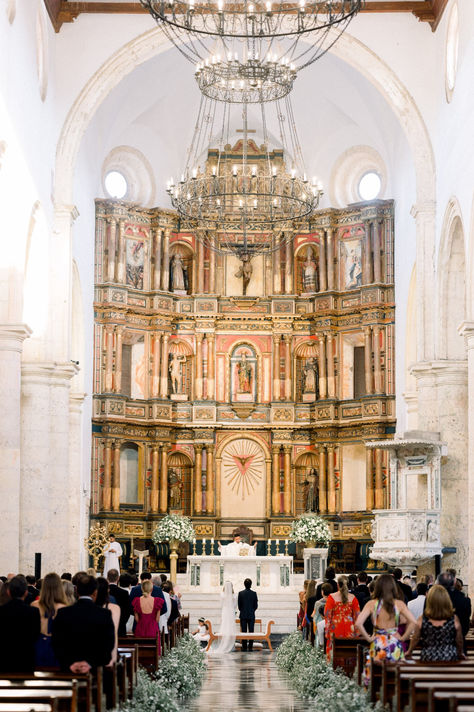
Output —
(245, 271)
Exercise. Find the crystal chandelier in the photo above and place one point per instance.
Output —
(240, 197)
(202, 29)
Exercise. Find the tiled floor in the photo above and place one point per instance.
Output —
(245, 681)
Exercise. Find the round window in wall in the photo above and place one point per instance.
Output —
(369, 186)
(452, 49)
(116, 184)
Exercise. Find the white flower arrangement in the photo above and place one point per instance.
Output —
(311, 527)
(174, 526)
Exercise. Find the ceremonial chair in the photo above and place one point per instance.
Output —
(245, 533)
(346, 562)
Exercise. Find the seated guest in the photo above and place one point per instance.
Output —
(83, 634)
(52, 598)
(202, 633)
(103, 600)
(168, 587)
(416, 605)
(319, 621)
(461, 603)
(156, 590)
(20, 627)
(340, 612)
(122, 599)
(147, 612)
(439, 630)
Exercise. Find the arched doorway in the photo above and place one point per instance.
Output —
(307, 483)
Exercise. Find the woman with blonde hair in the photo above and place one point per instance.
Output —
(147, 612)
(52, 598)
(439, 630)
(387, 612)
(69, 592)
(341, 611)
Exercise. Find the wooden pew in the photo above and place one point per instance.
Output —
(391, 672)
(64, 699)
(148, 650)
(344, 653)
(262, 636)
(408, 685)
(420, 691)
(85, 685)
(130, 663)
(28, 707)
(448, 700)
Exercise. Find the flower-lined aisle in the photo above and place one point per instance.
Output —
(179, 676)
(309, 674)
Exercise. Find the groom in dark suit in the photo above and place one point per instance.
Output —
(247, 603)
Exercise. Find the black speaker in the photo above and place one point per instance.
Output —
(37, 566)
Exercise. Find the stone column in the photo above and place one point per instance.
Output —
(379, 498)
(331, 481)
(330, 357)
(377, 361)
(164, 365)
(157, 233)
(467, 330)
(276, 272)
(268, 487)
(288, 267)
(288, 365)
(276, 366)
(198, 375)
(11, 345)
(276, 479)
(323, 285)
(107, 488)
(366, 256)
(79, 486)
(212, 271)
(109, 357)
(369, 478)
(368, 360)
(287, 479)
(377, 253)
(155, 379)
(210, 479)
(116, 478)
(425, 218)
(323, 481)
(198, 479)
(164, 480)
(118, 359)
(154, 497)
(121, 253)
(218, 486)
(165, 262)
(112, 247)
(200, 268)
(322, 367)
(211, 357)
(330, 257)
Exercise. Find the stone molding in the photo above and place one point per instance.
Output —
(48, 372)
(12, 336)
(444, 372)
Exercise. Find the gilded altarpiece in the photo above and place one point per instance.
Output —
(242, 409)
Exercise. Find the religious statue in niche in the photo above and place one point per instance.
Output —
(352, 263)
(245, 272)
(310, 275)
(178, 275)
(311, 491)
(243, 365)
(176, 367)
(135, 259)
(175, 488)
(310, 378)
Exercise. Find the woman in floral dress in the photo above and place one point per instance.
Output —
(387, 613)
(340, 612)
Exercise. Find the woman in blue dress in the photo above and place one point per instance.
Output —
(52, 598)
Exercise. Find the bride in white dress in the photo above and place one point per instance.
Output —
(226, 640)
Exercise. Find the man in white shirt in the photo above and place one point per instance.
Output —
(163, 622)
(417, 605)
(235, 547)
(112, 552)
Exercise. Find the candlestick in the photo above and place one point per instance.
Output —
(194, 547)
(277, 545)
(204, 547)
(286, 547)
(269, 547)
(212, 547)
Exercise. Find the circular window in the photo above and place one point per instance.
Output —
(452, 50)
(116, 184)
(369, 186)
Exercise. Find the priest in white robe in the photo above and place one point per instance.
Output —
(112, 552)
(236, 547)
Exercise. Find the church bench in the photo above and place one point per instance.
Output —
(438, 694)
(130, 658)
(345, 653)
(412, 689)
(452, 701)
(28, 706)
(50, 680)
(148, 653)
(258, 636)
(64, 699)
(391, 673)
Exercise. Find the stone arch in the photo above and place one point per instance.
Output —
(248, 436)
(451, 284)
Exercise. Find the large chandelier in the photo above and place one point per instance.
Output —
(263, 27)
(240, 195)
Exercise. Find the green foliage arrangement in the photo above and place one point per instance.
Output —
(308, 672)
(180, 675)
(173, 526)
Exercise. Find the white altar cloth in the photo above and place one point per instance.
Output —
(268, 573)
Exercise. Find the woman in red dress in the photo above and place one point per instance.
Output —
(340, 612)
(147, 613)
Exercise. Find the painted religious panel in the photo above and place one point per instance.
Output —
(243, 479)
(351, 263)
(135, 260)
(138, 379)
(243, 374)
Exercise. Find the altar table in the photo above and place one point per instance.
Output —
(268, 573)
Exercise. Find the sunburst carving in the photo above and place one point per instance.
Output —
(243, 463)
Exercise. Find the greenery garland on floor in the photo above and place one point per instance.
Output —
(311, 677)
(180, 675)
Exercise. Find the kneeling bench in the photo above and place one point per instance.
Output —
(260, 636)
